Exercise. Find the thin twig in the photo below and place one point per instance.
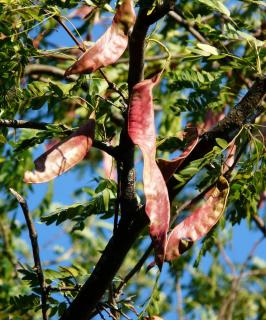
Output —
(154, 58)
(112, 86)
(227, 259)
(62, 289)
(81, 47)
(100, 313)
(107, 311)
(260, 223)
(179, 301)
(23, 124)
(38, 68)
(67, 298)
(35, 250)
(105, 305)
(229, 302)
(134, 270)
(112, 302)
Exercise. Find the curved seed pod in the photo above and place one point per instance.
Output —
(230, 157)
(109, 166)
(141, 130)
(199, 223)
(81, 12)
(63, 155)
(109, 48)
(168, 167)
(210, 120)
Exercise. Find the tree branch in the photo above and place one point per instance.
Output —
(35, 250)
(227, 128)
(112, 85)
(47, 69)
(157, 57)
(59, 20)
(260, 223)
(183, 22)
(228, 305)
(134, 270)
(112, 151)
(137, 40)
(106, 268)
(23, 124)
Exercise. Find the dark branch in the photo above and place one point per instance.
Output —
(112, 85)
(135, 270)
(35, 250)
(107, 267)
(260, 223)
(227, 128)
(59, 20)
(23, 124)
(112, 151)
(137, 40)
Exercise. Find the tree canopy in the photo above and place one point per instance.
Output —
(151, 113)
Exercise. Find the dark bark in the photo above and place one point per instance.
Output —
(106, 268)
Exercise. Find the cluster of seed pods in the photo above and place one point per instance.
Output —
(141, 129)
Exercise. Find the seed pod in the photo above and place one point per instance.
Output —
(110, 47)
(63, 155)
(141, 130)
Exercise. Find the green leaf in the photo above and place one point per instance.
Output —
(2, 139)
(106, 198)
(199, 52)
(216, 5)
(221, 143)
(208, 48)
(22, 303)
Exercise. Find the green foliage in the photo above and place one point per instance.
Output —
(103, 202)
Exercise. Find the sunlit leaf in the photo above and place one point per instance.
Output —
(207, 48)
(216, 5)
